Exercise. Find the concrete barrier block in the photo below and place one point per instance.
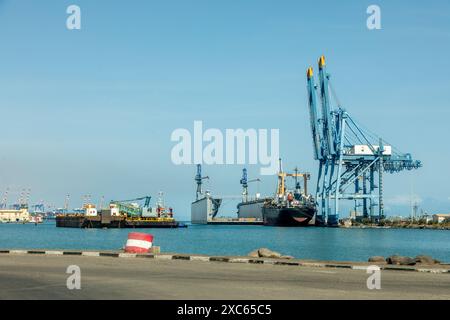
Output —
(109, 254)
(360, 268)
(54, 252)
(145, 255)
(163, 256)
(90, 254)
(199, 258)
(398, 268)
(18, 251)
(433, 270)
(36, 252)
(72, 253)
(286, 263)
(127, 255)
(256, 261)
(312, 264)
(219, 259)
(239, 260)
(332, 265)
(180, 257)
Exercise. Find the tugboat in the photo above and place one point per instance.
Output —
(290, 208)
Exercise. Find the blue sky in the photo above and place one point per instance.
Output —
(91, 111)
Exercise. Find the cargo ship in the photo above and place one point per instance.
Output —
(290, 208)
(121, 214)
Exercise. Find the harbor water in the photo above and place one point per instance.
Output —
(304, 243)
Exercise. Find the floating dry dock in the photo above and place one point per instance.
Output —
(235, 221)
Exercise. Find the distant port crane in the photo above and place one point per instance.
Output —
(66, 203)
(24, 198)
(4, 203)
(351, 159)
(39, 208)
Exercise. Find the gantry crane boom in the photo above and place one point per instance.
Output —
(314, 121)
(326, 114)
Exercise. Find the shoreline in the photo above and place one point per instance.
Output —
(341, 226)
(156, 251)
(112, 275)
(415, 227)
(442, 267)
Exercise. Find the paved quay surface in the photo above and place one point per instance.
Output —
(44, 277)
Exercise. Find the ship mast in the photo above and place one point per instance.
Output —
(297, 184)
(281, 188)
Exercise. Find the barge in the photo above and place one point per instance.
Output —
(81, 221)
(121, 214)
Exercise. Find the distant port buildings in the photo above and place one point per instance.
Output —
(441, 217)
(14, 215)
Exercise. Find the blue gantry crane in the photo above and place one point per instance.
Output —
(352, 160)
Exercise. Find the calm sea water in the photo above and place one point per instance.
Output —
(304, 243)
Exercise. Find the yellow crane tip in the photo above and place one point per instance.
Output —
(309, 73)
(321, 61)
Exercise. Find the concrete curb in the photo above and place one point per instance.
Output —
(164, 257)
(199, 258)
(52, 252)
(359, 267)
(238, 260)
(223, 259)
(18, 252)
(90, 254)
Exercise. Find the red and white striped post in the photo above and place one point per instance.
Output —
(138, 242)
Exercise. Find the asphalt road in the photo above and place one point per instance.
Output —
(44, 277)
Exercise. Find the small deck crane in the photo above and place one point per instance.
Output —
(199, 179)
(244, 182)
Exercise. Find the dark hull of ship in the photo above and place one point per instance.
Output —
(288, 216)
